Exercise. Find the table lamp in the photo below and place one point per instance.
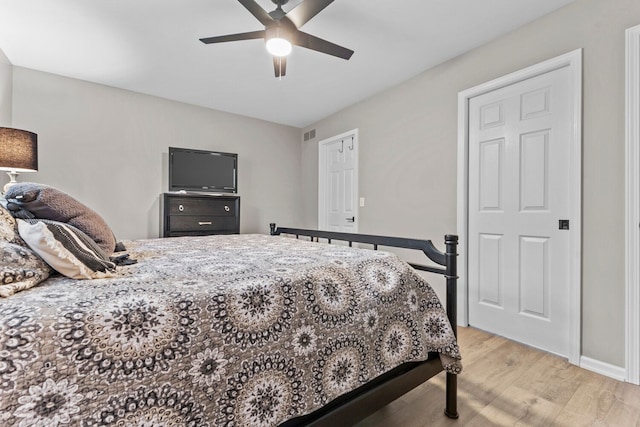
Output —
(18, 153)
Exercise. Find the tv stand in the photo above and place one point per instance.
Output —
(186, 214)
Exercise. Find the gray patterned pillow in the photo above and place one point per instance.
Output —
(20, 268)
(31, 200)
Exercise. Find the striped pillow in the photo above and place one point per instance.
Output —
(66, 249)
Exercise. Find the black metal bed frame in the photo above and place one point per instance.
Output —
(372, 396)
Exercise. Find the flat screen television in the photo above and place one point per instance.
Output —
(202, 170)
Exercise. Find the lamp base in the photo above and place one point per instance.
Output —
(12, 181)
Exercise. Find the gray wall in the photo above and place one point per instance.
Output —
(108, 148)
(408, 142)
(6, 76)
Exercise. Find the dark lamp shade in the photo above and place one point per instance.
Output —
(18, 150)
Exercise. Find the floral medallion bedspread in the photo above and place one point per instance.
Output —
(244, 330)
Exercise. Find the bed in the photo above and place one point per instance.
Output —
(233, 330)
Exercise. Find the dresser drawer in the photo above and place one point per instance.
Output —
(201, 223)
(201, 206)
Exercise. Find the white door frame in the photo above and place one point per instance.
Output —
(322, 175)
(632, 216)
(572, 60)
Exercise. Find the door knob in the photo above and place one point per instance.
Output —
(352, 219)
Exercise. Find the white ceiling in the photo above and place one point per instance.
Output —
(152, 47)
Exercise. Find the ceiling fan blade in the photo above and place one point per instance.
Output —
(257, 11)
(314, 43)
(306, 10)
(280, 66)
(234, 37)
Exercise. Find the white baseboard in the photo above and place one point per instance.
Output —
(606, 369)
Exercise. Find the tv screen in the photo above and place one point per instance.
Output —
(201, 170)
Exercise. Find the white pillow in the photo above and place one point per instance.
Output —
(66, 249)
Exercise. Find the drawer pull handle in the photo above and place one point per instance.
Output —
(181, 208)
(205, 222)
(226, 208)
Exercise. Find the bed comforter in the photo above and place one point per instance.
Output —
(218, 330)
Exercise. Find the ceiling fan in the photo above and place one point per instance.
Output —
(282, 31)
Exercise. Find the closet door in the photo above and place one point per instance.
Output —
(519, 232)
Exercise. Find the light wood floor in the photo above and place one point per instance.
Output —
(505, 383)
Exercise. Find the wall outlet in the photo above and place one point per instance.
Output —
(362, 202)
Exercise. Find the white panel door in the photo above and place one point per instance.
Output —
(519, 147)
(339, 184)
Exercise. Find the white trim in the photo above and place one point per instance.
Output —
(632, 210)
(322, 161)
(572, 60)
(602, 368)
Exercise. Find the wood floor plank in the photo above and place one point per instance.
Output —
(622, 415)
(594, 397)
(492, 375)
(629, 394)
(543, 377)
(506, 383)
(517, 407)
(568, 418)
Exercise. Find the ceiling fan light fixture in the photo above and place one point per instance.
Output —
(279, 47)
(277, 42)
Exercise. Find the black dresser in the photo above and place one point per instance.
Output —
(198, 214)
